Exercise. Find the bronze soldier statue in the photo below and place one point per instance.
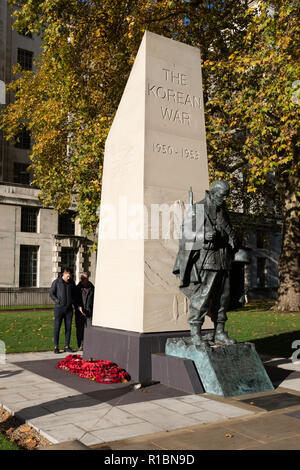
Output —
(206, 248)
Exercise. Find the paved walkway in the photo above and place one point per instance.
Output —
(181, 421)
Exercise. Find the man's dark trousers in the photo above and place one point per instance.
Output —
(60, 314)
(81, 321)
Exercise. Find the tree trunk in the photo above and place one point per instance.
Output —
(289, 261)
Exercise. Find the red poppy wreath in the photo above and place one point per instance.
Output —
(100, 371)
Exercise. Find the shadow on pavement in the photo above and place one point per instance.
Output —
(278, 345)
(9, 373)
(90, 392)
(75, 402)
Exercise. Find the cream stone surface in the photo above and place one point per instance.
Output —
(155, 151)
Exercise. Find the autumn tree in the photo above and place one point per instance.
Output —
(69, 102)
(252, 118)
(251, 69)
(250, 64)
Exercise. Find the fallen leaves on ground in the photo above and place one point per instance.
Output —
(25, 429)
(23, 435)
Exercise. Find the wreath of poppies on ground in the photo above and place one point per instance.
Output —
(100, 371)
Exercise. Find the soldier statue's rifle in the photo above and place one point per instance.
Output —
(198, 273)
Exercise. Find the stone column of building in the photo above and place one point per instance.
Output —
(56, 258)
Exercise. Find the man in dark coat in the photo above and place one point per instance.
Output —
(84, 312)
(204, 258)
(62, 292)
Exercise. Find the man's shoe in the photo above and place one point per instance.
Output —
(56, 350)
(68, 349)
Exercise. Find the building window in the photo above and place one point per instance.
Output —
(28, 266)
(261, 272)
(66, 224)
(29, 217)
(21, 175)
(23, 140)
(68, 259)
(25, 59)
(260, 239)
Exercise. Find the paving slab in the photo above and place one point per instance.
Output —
(225, 410)
(69, 445)
(294, 414)
(291, 443)
(247, 433)
(274, 401)
(269, 427)
(179, 405)
(65, 432)
(64, 407)
(292, 381)
(159, 416)
(123, 432)
(102, 412)
(204, 437)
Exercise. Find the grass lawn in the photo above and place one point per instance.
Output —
(273, 333)
(7, 445)
(31, 331)
(26, 307)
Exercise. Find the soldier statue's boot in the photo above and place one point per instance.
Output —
(196, 336)
(221, 336)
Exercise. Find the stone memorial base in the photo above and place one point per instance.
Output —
(176, 373)
(224, 370)
(130, 350)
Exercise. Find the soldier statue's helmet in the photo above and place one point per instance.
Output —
(243, 255)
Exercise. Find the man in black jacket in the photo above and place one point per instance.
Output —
(63, 293)
(84, 312)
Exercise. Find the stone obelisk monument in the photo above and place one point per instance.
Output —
(154, 153)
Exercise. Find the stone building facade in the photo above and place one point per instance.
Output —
(35, 242)
(35, 245)
(261, 276)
